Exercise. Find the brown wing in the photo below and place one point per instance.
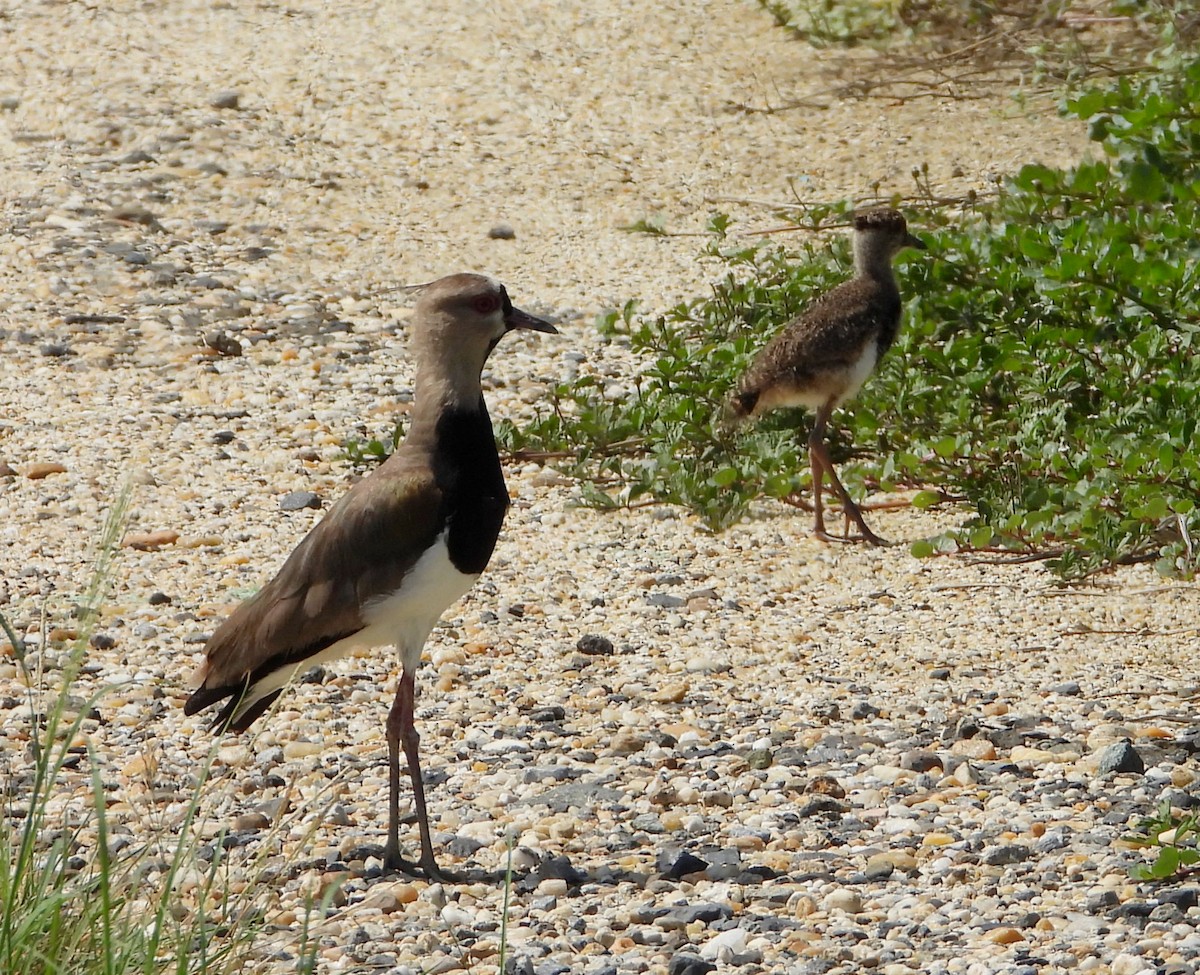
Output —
(830, 335)
(360, 550)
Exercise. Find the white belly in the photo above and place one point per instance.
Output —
(837, 384)
(404, 618)
(857, 374)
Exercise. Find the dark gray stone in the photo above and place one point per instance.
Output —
(558, 868)
(647, 913)
(1185, 898)
(685, 963)
(1119, 757)
(1177, 797)
(828, 712)
(648, 822)
(298, 500)
(920, 761)
(879, 869)
(759, 759)
(502, 231)
(966, 727)
(682, 865)
(594, 645)
(691, 913)
(1132, 909)
(1056, 839)
(822, 805)
(223, 343)
(461, 846)
(314, 675)
(556, 773)
(999, 856)
(792, 756)
(863, 710)
(723, 864)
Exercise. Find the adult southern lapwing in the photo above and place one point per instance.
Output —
(823, 357)
(390, 557)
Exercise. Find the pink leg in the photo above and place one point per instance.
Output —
(402, 732)
(822, 464)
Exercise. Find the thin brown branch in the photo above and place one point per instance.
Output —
(1020, 559)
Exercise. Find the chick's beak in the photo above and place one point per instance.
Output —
(917, 242)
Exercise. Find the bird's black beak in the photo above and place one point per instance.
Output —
(522, 319)
(917, 242)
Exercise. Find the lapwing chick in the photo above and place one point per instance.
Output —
(822, 358)
(394, 553)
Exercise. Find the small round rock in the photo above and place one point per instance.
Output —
(298, 500)
(594, 645)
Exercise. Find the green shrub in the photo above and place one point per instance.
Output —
(1046, 372)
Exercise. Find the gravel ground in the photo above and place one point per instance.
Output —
(753, 751)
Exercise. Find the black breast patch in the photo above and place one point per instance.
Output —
(467, 469)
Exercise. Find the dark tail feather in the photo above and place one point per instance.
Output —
(738, 407)
(224, 721)
(741, 404)
(203, 697)
(248, 717)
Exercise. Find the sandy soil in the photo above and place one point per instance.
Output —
(374, 145)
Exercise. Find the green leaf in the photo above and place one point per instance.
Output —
(1167, 863)
(1036, 250)
(921, 549)
(982, 537)
(1087, 104)
(1146, 184)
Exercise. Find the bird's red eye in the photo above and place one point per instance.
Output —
(486, 304)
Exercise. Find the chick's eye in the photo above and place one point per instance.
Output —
(486, 304)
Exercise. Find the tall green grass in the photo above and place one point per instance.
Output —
(73, 899)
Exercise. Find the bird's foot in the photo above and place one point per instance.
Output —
(393, 862)
(867, 536)
(473, 875)
(871, 538)
(424, 869)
